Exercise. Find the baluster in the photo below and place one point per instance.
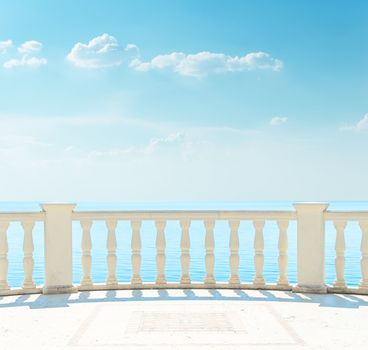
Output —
(364, 249)
(111, 252)
(160, 247)
(136, 252)
(210, 257)
(185, 253)
(283, 252)
(234, 252)
(4, 256)
(340, 251)
(28, 262)
(258, 257)
(86, 253)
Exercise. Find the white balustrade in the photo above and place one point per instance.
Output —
(234, 252)
(4, 256)
(364, 250)
(160, 255)
(340, 254)
(28, 262)
(86, 253)
(185, 254)
(210, 256)
(283, 250)
(310, 217)
(258, 256)
(136, 253)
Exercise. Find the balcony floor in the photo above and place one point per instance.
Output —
(184, 319)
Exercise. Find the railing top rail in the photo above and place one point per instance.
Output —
(21, 216)
(184, 214)
(346, 215)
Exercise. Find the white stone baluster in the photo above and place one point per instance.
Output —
(86, 253)
(234, 252)
(364, 260)
(136, 253)
(258, 256)
(185, 253)
(28, 262)
(340, 254)
(283, 252)
(111, 252)
(4, 256)
(210, 257)
(160, 248)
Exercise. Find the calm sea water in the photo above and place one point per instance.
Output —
(172, 232)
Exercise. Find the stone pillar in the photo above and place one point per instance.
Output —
(58, 248)
(311, 247)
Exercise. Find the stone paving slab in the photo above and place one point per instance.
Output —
(184, 319)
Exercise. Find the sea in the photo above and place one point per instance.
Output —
(173, 234)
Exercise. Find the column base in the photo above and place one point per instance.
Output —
(317, 289)
(259, 282)
(209, 281)
(59, 289)
(185, 280)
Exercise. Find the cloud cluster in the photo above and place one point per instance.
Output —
(278, 121)
(172, 139)
(30, 47)
(361, 125)
(28, 51)
(104, 51)
(25, 61)
(5, 45)
(204, 63)
(100, 52)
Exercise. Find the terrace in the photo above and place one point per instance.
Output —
(184, 313)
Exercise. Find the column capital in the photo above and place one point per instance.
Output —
(58, 206)
(310, 206)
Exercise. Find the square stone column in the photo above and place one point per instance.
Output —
(311, 247)
(58, 248)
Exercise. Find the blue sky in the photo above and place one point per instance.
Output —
(183, 100)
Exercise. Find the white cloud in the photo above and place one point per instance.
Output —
(361, 125)
(4, 46)
(173, 139)
(25, 61)
(27, 50)
(132, 47)
(278, 121)
(205, 63)
(101, 52)
(30, 46)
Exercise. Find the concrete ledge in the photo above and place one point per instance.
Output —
(310, 289)
(195, 286)
(20, 291)
(59, 289)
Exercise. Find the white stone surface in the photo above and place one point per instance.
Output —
(184, 319)
(58, 247)
(311, 247)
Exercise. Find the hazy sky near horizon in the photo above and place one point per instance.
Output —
(183, 100)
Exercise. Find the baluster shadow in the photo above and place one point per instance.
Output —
(236, 295)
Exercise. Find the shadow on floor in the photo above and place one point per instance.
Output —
(65, 300)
